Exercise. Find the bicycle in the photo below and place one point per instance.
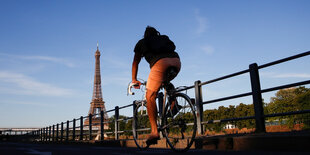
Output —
(179, 128)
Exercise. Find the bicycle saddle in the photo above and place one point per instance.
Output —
(171, 73)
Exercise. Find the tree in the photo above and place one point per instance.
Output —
(211, 115)
(243, 110)
(304, 104)
(288, 100)
(123, 125)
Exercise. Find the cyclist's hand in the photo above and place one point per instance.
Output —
(136, 83)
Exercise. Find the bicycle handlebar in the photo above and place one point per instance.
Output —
(129, 88)
(132, 85)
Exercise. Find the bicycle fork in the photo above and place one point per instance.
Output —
(161, 105)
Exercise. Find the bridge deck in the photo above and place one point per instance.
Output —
(285, 141)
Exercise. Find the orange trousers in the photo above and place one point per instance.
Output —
(158, 72)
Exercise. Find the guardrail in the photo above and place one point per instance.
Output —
(256, 95)
(70, 131)
(78, 133)
(16, 131)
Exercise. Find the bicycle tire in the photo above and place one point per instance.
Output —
(140, 127)
(180, 129)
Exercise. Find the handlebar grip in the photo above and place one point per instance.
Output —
(129, 89)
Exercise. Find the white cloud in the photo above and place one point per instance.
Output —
(207, 49)
(15, 83)
(42, 58)
(285, 75)
(51, 59)
(292, 75)
(202, 23)
(25, 103)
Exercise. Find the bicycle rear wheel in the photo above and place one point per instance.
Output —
(180, 129)
(141, 126)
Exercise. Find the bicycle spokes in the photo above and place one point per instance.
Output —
(180, 128)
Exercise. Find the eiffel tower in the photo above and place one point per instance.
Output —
(97, 103)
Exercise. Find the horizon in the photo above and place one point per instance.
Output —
(47, 48)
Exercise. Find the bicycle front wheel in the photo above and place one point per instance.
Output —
(180, 128)
(141, 126)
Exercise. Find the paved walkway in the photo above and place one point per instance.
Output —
(9, 148)
(273, 143)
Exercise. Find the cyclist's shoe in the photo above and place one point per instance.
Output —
(174, 110)
(152, 140)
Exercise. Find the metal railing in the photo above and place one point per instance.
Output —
(70, 131)
(16, 131)
(256, 95)
(77, 133)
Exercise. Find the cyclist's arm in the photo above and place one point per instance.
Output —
(135, 64)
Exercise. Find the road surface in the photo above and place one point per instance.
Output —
(10, 148)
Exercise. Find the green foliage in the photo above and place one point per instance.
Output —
(222, 112)
(243, 110)
(143, 120)
(288, 100)
(126, 124)
(180, 119)
(285, 100)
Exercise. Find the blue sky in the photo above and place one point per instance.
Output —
(47, 50)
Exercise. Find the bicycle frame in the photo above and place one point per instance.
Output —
(162, 98)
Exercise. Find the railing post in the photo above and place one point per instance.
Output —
(67, 131)
(90, 117)
(53, 138)
(81, 128)
(116, 122)
(46, 133)
(257, 99)
(61, 131)
(101, 125)
(41, 134)
(73, 131)
(199, 106)
(50, 133)
(134, 106)
(57, 131)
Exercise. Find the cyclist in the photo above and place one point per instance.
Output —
(159, 52)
